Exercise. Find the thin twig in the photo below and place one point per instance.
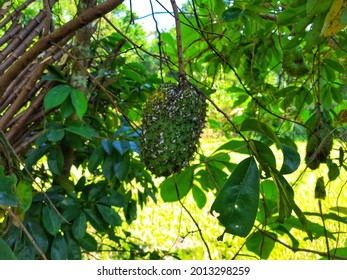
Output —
(19, 222)
(325, 229)
(159, 40)
(193, 219)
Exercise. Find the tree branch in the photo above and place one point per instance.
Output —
(46, 42)
(294, 249)
(181, 72)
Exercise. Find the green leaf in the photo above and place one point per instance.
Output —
(269, 201)
(56, 96)
(56, 160)
(107, 145)
(282, 229)
(241, 99)
(213, 124)
(79, 101)
(211, 177)
(285, 195)
(133, 75)
(24, 194)
(71, 212)
(108, 167)
(343, 17)
(335, 65)
(236, 146)
(311, 6)
(55, 135)
(232, 14)
(199, 196)
(74, 250)
(67, 108)
(264, 129)
(78, 128)
(7, 182)
(89, 243)
(79, 226)
(336, 251)
(334, 171)
(291, 160)
(95, 219)
(8, 200)
(260, 244)
(39, 235)
(237, 202)
(51, 219)
(337, 94)
(287, 203)
(110, 215)
(264, 154)
(184, 181)
(34, 156)
(130, 211)
(289, 15)
(56, 72)
(59, 250)
(95, 159)
(114, 199)
(318, 229)
(329, 216)
(7, 186)
(169, 40)
(121, 166)
(121, 146)
(5, 251)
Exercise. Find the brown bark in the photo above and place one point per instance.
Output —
(15, 13)
(46, 42)
(79, 78)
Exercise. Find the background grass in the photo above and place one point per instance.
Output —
(167, 227)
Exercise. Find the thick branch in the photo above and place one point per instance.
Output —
(54, 37)
(181, 71)
(15, 13)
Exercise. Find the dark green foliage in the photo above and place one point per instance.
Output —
(263, 62)
(319, 191)
(173, 119)
(236, 204)
(5, 251)
(260, 244)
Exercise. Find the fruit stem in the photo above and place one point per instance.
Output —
(181, 72)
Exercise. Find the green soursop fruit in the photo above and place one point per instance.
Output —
(173, 120)
(319, 140)
(294, 63)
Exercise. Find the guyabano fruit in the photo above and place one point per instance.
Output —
(294, 63)
(173, 120)
(319, 140)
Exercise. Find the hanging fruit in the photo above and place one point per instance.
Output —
(173, 120)
(294, 63)
(319, 139)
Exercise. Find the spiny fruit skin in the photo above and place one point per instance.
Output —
(319, 142)
(294, 63)
(173, 120)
